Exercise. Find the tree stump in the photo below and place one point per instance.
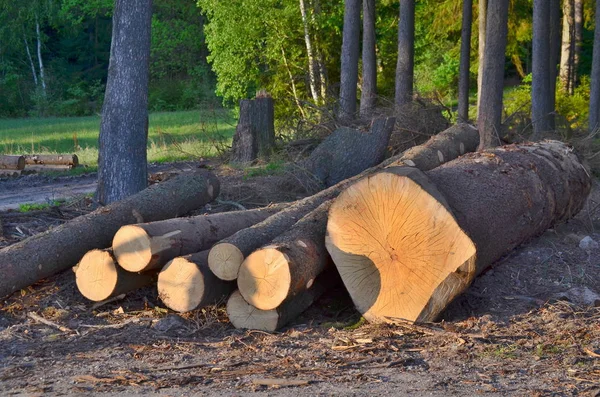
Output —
(255, 132)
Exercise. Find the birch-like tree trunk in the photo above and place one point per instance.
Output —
(406, 53)
(368, 96)
(567, 51)
(39, 55)
(465, 61)
(482, 6)
(33, 72)
(312, 75)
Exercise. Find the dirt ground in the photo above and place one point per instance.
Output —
(529, 326)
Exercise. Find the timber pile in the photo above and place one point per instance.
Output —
(11, 165)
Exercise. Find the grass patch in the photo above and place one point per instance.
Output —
(172, 136)
(39, 206)
(272, 168)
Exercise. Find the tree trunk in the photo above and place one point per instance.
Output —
(594, 121)
(289, 264)
(244, 147)
(255, 132)
(465, 61)
(227, 256)
(263, 122)
(567, 47)
(39, 55)
(33, 72)
(406, 53)
(349, 67)
(482, 26)
(56, 250)
(148, 246)
(312, 73)
(406, 243)
(98, 277)
(489, 118)
(122, 165)
(186, 283)
(8, 162)
(52, 159)
(578, 39)
(555, 44)
(368, 95)
(541, 103)
(320, 61)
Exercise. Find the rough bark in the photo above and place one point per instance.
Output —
(482, 25)
(594, 121)
(245, 144)
(555, 43)
(465, 61)
(406, 53)
(122, 165)
(541, 103)
(368, 94)
(58, 249)
(407, 243)
(489, 117)
(567, 51)
(8, 162)
(255, 131)
(289, 264)
(52, 159)
(349, 59)
(98, 277)
(578, 40)
(151, 245)
(227, 256)
(263, 122)
(347, 152)
(186, 283)
(312, 72)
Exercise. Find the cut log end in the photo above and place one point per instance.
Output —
(181, 285)
(97, 275)
(244, 315)
(396, 246)
(264, 278)
(224, 260)
(132, 247)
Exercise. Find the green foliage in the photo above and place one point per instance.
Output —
(27, 207)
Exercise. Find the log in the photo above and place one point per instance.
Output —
(8, 162)
(52, 159)
(287, 265)
(56, 250)
(406, 243)
(151, 245)
(244, 315)
(226, 257)
(47, 168)
(98, 277)
(186, 283)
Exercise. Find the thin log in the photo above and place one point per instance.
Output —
(56, 250)
(52, 159)
(151, 245)
(406, 243)
(8, 162)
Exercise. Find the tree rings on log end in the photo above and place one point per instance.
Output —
(244, 315)
(181, 285)
(224, 260)
(97, 275)
(397, 247)
(132, 247)
(264, 278)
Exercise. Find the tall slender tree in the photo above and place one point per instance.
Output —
(406, 53)
(465, 61)
(312, 66)
(541, 105)
(122, 164)
(368, 95)
(489, 118)
(482, 9)
(594, 121)
(554, 58)
(567, 53)
(350, 53)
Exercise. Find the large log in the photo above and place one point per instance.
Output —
(8, 162)
(151, 245)
(58, 249)
(186, 283)
(226, 257)
(406, 243)
(52, 159)
(98, 277)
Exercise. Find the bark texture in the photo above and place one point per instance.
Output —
(594, 121)
(56, 250)
(555, 43)
(122, 164)
(368, 94)
(406, 53)
(541, 103)
(482, 25)
(52, 159)
(349, 59)
(432, 233)
(465, 61)
(489, 118)
(312, 66)
(8, 162)
(255, 131)
(567, 52)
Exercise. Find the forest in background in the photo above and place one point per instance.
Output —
(54, 55)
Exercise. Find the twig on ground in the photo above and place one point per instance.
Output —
(49, 323)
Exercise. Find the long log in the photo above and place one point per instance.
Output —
(8, 162)
(289, 264)
(151, 245)
(226, 257)
(98, 277)
(406, 243)
(58, 249)
(52, 159)
(186, 283)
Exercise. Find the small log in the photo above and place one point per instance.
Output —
(226, 257)
(186, 283)
(8, 162)
(98, 277)
(148, 246)
(47, 168)
(52, 159)
(47, 253)
(406, 243)
(244, 315)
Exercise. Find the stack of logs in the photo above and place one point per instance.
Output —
(405, 237)
(13, 165)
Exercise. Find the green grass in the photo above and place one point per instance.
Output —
(27, 207)
(172, 136)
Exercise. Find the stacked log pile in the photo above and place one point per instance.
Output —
(12, 165)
